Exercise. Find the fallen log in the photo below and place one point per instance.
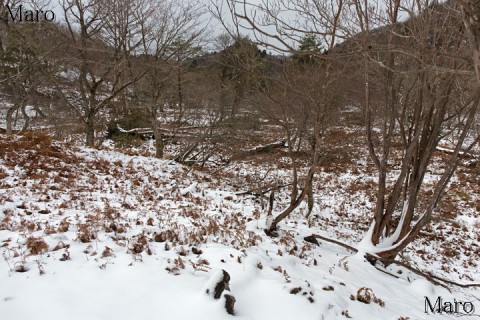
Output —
(461, 154)
(263, 149)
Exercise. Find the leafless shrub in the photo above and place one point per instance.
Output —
(85, 233)
(367, 296)
(36, 245)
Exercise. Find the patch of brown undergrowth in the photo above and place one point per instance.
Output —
(36, 245)
(36, 153)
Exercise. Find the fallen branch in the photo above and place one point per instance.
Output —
(263, 149)
(346, 246)
(135, 130)
(461, 154)
(430, 277)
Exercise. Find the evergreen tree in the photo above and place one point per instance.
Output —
(308, 49)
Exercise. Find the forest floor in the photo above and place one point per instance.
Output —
(112, 234)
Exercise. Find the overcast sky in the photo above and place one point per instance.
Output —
(215, 28)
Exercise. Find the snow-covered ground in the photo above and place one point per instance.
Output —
(97, 234)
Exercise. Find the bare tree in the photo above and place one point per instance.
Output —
(471, 20)
(23, 66)
(169, 22)
(421, 67)
(312, 19)
(101, 50)
(122, 32)
(240, 64)
(183, 52)
(304, 113)
(282, 24)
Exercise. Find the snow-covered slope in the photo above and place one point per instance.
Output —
(95, 234)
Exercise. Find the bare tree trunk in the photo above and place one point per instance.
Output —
(235, 104)
(90, 131)
(9, 118)
(223, 95)
(179, 92)
(159, 144)
(26, 118)
(307, 189)
(157, 134)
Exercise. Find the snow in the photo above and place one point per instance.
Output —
(78, 289)
(129, 202)
(190, 189)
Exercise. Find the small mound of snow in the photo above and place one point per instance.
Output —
(190, 189)
(422, 287)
